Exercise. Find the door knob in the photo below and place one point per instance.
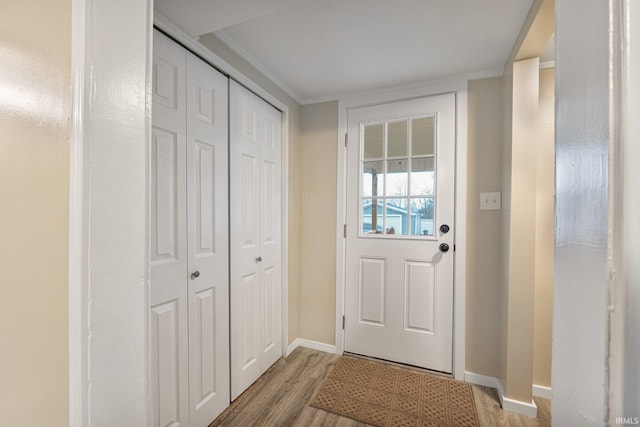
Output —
(444, 228)
(259, 259)
(195, 275)
(444, 247)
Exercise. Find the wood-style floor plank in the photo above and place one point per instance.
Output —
(281, 396)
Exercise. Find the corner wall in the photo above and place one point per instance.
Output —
(484, 153)
(35, 107)
(318, 162)
(519, 180)
(580, 322)
(544, 231)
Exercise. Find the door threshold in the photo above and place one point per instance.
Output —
(401, 365)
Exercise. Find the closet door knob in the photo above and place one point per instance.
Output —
(259, 259)
(195, 275)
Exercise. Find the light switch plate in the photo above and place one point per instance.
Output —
(491, 201)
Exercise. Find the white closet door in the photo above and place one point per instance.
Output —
(207, 192)
(168, 235)
(255, 237)
(270, 232)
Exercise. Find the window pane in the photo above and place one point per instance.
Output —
(374, 141)
(422, 176)
(372, 178)
(422, 210)
(397, 139)
(422, 136)
(397, 177)
(372, 216)
(396, 216)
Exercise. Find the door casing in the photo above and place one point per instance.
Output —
(459, 88)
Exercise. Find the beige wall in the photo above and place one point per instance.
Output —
(35, 93)
(487, 297)
(295, 179)
(519, 181)
(520, 312)
(507, 94)
(483, 227)
(544, 238)
(318, 162)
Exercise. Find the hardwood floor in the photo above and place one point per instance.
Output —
(281, 396)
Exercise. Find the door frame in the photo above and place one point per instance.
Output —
(459, 88)
(107, 153)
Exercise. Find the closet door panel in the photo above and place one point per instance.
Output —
(207, 188)
(270, 235)
(168, 238)
(256, 225)
(246, 286)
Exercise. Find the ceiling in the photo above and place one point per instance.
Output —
(327, 49)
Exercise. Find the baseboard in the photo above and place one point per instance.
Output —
(517, 406)
(320, 346)
(542, 391)
(511, 405)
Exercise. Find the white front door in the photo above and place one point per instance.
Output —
(400, 229)
(256, 273)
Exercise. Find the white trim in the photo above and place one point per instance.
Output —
(542, 391)
(483, 380)
(413, 86)
(511, 405)
(197, 47)
(78, 248)
(284, 234)
(253, 61)
(523, 408)
(341, 220)
(315, 345)
(459, 87)
(460, 258)
(547, 64)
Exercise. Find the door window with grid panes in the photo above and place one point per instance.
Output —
(398, 177)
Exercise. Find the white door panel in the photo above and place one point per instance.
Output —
(207, 184)
(189, 315)
(168, 235)
(245, 239)
(256, 309)
(166, 365)
(271, 230)
(400, 190)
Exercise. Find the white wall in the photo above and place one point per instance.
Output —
(624, 392)
(631, 168)
(108, 216)
(579, 372)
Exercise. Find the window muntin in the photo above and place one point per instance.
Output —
(398, 177)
